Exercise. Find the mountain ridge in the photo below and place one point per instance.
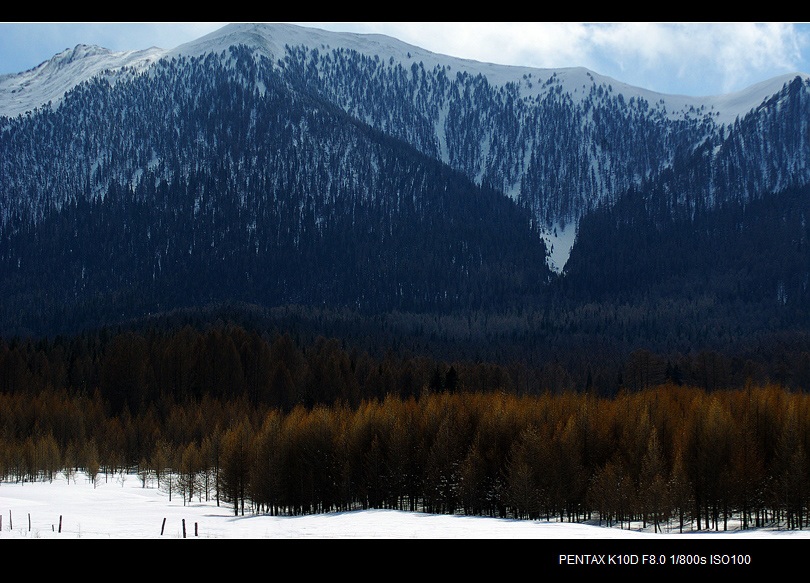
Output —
(27, 90)
(50, 80)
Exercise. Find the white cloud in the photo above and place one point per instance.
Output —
(730, 55)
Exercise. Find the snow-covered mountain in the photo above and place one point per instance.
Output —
(258, 149)
(49, 81)
(574, 181)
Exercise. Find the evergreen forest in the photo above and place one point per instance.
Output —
(279, 425)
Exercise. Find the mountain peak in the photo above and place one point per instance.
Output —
(48, 81)
(80, 51)
(271, 40)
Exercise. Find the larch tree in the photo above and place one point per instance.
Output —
(654, 495)
(235, 465)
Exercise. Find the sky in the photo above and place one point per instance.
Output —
(688, 58)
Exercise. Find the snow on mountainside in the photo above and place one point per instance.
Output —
(330, 135)
(533, 83)
(270, 40)
(48, 81)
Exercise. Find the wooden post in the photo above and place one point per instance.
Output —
(195, 529)
(29, 522)
(163, 526)
(10, 524)
(60, 523)
(184, 528)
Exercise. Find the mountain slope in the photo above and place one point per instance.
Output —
(50, 80)
(274, 164)
(269, 196)
(559, 141)
(727, 219)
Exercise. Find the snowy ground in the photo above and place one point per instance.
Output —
(119, 507)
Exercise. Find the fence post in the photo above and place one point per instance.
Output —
(184, 528)
(163, 526)
(60, 523)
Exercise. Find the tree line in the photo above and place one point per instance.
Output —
(663, 455)
(189, 355)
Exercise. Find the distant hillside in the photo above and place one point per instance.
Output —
(273, 165)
